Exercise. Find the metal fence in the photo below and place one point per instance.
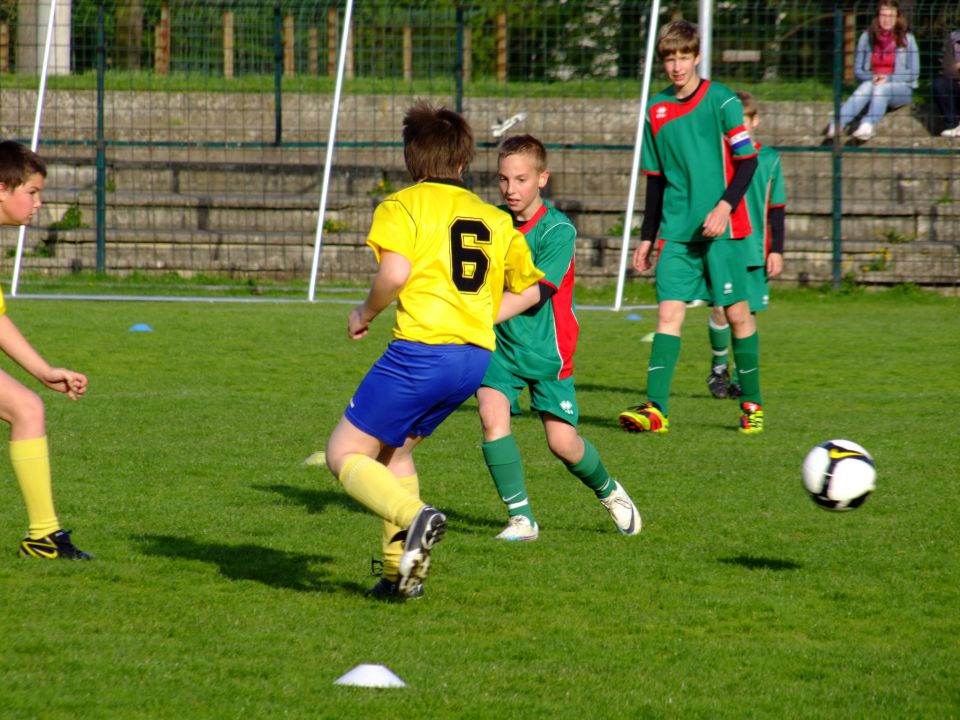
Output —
(187, 137)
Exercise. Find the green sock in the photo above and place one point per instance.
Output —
(591, 472)
(663, 361)
(746, 351)
(506, 469)
(719, 343)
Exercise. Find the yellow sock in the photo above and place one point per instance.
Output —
(392, 550)
(31, 465)
(372, 485)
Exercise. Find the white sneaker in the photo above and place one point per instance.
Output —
(951, 132)
(864, 132)
(520, 528)
(623, 511)
(830, 131)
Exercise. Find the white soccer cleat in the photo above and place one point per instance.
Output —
(623, 511)
(520, 528)
(425, 531)
(864, 132)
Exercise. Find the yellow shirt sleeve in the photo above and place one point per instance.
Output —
(3, 303)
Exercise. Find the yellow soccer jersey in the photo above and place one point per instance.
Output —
(3, 303)
(463, 252)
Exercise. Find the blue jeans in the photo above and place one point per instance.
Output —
(878, 97)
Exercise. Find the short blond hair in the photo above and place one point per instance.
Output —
(524, 145)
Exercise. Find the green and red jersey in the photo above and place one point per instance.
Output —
(541, 346)
(766, 191)
(693, 144)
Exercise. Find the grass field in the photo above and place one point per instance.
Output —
(229, 575)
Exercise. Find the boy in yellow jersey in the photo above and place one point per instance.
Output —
(22, 175)
(455, 265)
(535, 351)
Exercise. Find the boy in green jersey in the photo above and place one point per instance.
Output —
(535, 351)
(699, 162)
(766, 201)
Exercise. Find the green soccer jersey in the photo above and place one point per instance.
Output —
(765, 191)
(541, 346)
(692, 143)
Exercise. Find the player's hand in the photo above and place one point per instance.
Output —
(641, 256)
(357, 324)
(716, 222)
(774, 264)
(71, 383)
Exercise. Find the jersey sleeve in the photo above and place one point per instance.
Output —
(555, 253)
(519, 270)
(392, 229)
(778, 193)
(734, 130)
(3, 303)
(649, 159)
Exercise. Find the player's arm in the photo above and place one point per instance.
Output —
(513, 304)
(392, 275)
(652, 216)
(776, 218)
(16, 347)
(717, 220)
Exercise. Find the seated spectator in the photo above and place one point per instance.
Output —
(946, 86)
(887, 64)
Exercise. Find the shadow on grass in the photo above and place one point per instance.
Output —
(315, 501)
(275, 568)
(751, 562)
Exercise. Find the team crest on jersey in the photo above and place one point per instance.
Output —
(567, 407)
(661, 112)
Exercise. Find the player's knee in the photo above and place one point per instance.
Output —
(27, 411)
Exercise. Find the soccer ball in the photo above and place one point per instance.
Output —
(839, 475)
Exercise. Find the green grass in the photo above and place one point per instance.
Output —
(615, 88)
(229, 576)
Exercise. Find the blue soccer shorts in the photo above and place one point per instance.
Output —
(414, 387)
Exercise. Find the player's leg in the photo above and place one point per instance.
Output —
(729, 282)
(680, 279)
(30, 457)
(502, 456)
(580, 457)
(718, 331)
(400, 462)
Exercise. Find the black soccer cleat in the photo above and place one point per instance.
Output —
(389, 591)
(424, 532)
(55, 546)
(719, 381)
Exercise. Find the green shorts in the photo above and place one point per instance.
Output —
(557, 397)
(758, 290)
(711, 270)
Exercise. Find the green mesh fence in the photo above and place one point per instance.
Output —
(187, 138)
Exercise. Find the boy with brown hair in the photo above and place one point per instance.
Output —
(699, 162)
(455, 265)
(22, 176)
(535, 351)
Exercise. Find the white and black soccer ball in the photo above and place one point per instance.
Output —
(839, 475)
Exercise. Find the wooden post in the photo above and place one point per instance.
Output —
(313, 51)
(502, 47)
(348, 71)
(849, 45)
(467, 55)
(4, 48)
(289, 47)
(332, 42)
(407, 53)
(228, 44)
(161, 42)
